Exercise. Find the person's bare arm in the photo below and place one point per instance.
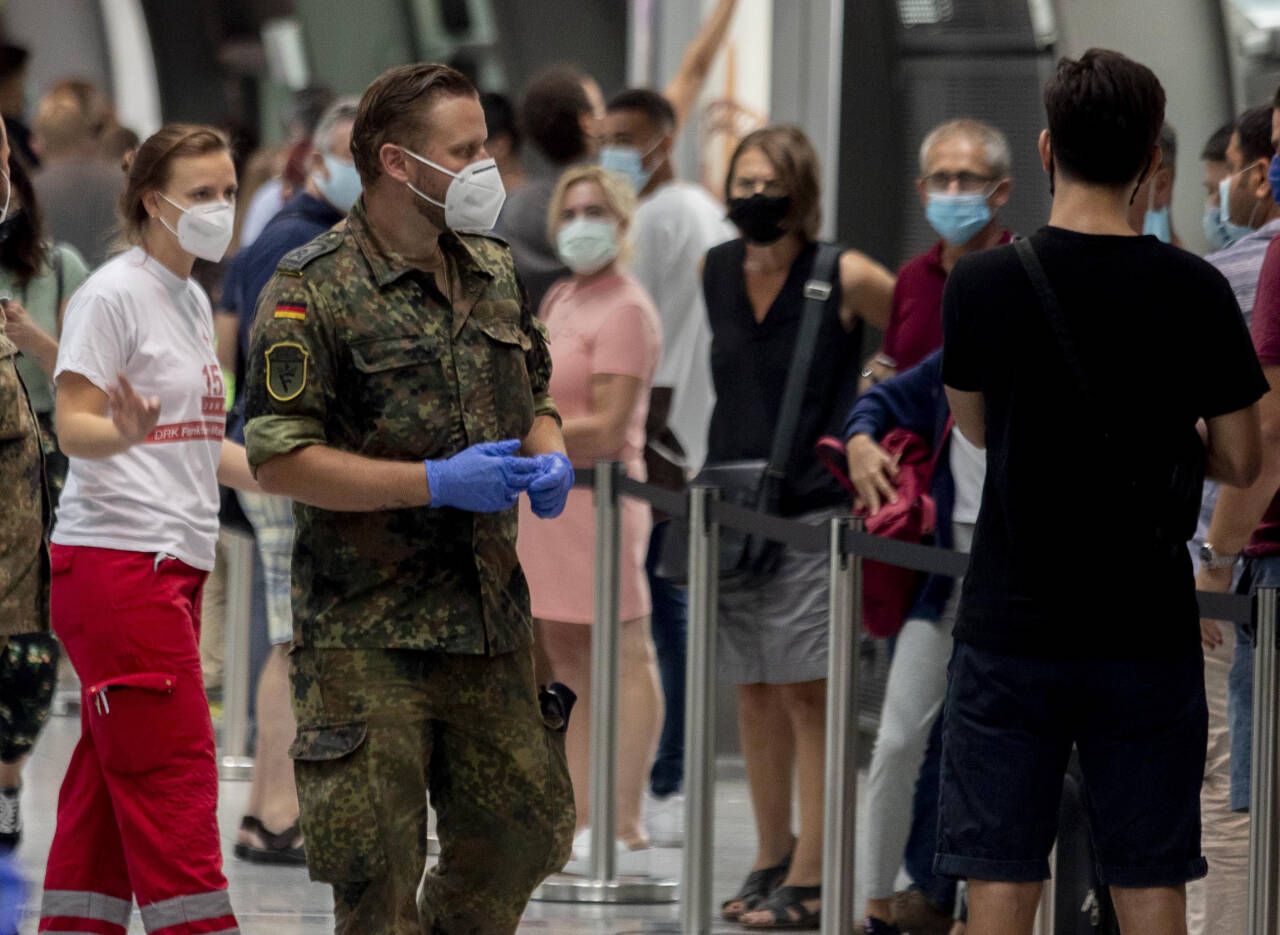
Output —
(970, 413)
(226, 330)
(544, 438)
(340, 481)
(683, 89)
(1235, 447)
(30, 338)
(603, 430)
(233, 469)
(866, 291)
(83, 426)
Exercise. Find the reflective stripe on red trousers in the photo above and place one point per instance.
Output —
(136, 813)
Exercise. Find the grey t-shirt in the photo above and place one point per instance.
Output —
(523, 224)
(78, 200)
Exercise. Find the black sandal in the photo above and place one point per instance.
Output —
(787, 906)
(757, 887)
(283, 848)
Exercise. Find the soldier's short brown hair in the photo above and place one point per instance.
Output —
(393, 107)
(796, 162)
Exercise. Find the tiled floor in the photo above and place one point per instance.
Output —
(282, 901)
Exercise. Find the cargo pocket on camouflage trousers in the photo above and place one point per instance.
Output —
(556, 703)
(335, 780)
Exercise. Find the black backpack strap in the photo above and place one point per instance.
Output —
(1049, 300)
(817, 290)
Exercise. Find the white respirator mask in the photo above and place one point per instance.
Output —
(204, 230)
(475, 196)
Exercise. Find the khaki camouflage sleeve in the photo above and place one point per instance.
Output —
(291, 370)
(538, 360)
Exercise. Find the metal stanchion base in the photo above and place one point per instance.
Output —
(235, 767)
(433, 844)
(563, 888)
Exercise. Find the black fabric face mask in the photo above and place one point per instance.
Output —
(760, 217)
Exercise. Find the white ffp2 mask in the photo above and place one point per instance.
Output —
(475, 196)
(204, 230)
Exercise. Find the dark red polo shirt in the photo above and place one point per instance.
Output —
(915, 321)
(1265, 330)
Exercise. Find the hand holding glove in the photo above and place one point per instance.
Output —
(484, 478)
(550, 488)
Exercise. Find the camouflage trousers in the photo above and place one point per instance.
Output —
(380, 729)
(28, 677)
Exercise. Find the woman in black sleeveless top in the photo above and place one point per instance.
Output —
(773, 638)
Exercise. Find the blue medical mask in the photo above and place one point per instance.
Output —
(1157, 222)
(1214, 232)
(342, 187)
(958, 217)
(629, 161)
(1233, 231)
(1273, 176)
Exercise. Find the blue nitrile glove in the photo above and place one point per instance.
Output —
(550, 489)
(13, 893)
(484, 478)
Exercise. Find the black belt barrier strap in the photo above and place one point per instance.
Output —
(806, 537)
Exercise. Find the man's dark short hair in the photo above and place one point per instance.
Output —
(392, 110)
(551, 111)
(1215, 148)
(656, 108)
(1105, 112)
(500, 117)
(1254, 127)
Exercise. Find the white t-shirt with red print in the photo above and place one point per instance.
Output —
(134, 316)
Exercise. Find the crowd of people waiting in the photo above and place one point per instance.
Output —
(663, 320)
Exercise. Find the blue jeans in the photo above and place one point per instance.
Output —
(923, 841)
(669, 624)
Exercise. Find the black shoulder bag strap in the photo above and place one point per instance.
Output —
(1049, 299)
(817, 290)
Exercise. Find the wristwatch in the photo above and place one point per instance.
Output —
(1214, 560)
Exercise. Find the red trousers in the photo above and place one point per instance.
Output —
(136, 814)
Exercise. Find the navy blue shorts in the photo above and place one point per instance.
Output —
(1009, 725)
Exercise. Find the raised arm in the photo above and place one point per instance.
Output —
(683, 89)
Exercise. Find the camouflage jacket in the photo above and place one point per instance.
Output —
(354, 349)
(24, 506)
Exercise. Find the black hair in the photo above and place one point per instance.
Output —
(1254, 128)
(13, 58)
(551, 111)
(1105, 112)
(1215, 148)
(653, 105)
(500, 117)
(24, 251)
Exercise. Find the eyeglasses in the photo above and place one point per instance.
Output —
(964, 181)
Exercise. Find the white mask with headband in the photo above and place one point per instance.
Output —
(203, 230)
(475, 196)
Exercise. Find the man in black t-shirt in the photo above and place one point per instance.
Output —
(1078, 621)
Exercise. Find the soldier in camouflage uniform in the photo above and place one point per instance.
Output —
(390, 341)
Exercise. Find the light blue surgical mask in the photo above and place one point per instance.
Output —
(958, 217)
(1233, 231)
(629, 161)
(342, 187)
(1157, 222)
(586, 245)
(1214, 232)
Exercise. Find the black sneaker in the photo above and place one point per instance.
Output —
(10, 819)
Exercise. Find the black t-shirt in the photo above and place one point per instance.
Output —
(749, 365)
(1066, 560)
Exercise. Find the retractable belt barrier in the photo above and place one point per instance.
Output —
(849, 545)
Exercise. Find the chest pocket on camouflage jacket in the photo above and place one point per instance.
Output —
(505, 347)
(405, 407)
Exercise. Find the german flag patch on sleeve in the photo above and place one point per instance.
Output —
(296, 312)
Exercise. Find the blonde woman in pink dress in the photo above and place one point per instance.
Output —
(605, 341)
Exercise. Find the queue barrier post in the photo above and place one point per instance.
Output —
(841, 803)
(236, 762)
(700, 713)
(1264, 836)
(601, 884)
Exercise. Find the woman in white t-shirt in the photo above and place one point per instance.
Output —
(140, 413)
